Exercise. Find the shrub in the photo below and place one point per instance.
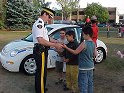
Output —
(1, 24)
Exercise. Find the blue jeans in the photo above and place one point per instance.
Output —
(85, 81)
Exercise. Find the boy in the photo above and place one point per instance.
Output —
(86, 51)
(59, 63)
(72, 62)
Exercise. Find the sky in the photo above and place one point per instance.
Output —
(106, 3)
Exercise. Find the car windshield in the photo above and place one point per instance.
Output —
(30, 38)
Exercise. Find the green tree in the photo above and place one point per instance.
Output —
(1, 21)
(2, 13)
(67, 7)
(97, 10)
(19, 15)
(38, 4)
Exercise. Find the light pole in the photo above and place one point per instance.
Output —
(78, 13)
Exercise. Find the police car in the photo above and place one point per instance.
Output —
(18, 55)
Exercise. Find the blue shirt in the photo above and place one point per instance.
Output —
(86, 56)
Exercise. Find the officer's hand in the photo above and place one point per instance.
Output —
(58, 46)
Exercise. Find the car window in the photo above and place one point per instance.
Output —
(70, 28)
(73, 29)
(56, 34)
(30, 38)
(77, 31)
(49, 29)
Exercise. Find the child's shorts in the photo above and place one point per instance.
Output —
(59, 66)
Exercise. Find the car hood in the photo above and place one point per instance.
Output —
(17, 44)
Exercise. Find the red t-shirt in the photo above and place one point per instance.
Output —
(95, 33)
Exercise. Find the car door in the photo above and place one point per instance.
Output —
(52, 51)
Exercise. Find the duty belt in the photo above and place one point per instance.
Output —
(37, 45)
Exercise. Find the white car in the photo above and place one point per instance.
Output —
(18, 55)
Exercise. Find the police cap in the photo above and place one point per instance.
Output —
(49, 11)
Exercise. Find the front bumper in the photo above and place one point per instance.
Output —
(9, 63)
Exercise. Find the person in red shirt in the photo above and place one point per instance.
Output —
(88, 21)
(95, 29)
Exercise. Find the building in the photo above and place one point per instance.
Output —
(121, 18)
(113, 14)
(79, 15)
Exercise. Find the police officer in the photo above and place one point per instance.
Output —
(40, 50)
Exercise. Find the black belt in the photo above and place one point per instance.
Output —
(37, 45)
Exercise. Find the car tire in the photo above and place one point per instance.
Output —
(101, 55)
(28, 65)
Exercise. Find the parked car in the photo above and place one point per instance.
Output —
(101, 25)
(116, 25)
(18, 55)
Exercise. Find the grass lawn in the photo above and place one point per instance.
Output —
(113, 44)
(105, 28)
(7, 36)
(108, 76)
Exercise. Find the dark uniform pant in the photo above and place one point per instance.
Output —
(39, 52)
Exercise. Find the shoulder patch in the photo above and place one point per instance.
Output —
(40, 22)
(39, 26)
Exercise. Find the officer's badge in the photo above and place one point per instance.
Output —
(39, 26)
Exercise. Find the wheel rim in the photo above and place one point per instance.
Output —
(30, 66)
(99, 56)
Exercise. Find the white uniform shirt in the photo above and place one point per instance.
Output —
(38, 30)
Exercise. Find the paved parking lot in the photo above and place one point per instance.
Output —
(20, 83)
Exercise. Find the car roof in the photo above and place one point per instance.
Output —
(59, 26)
(54, 26)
